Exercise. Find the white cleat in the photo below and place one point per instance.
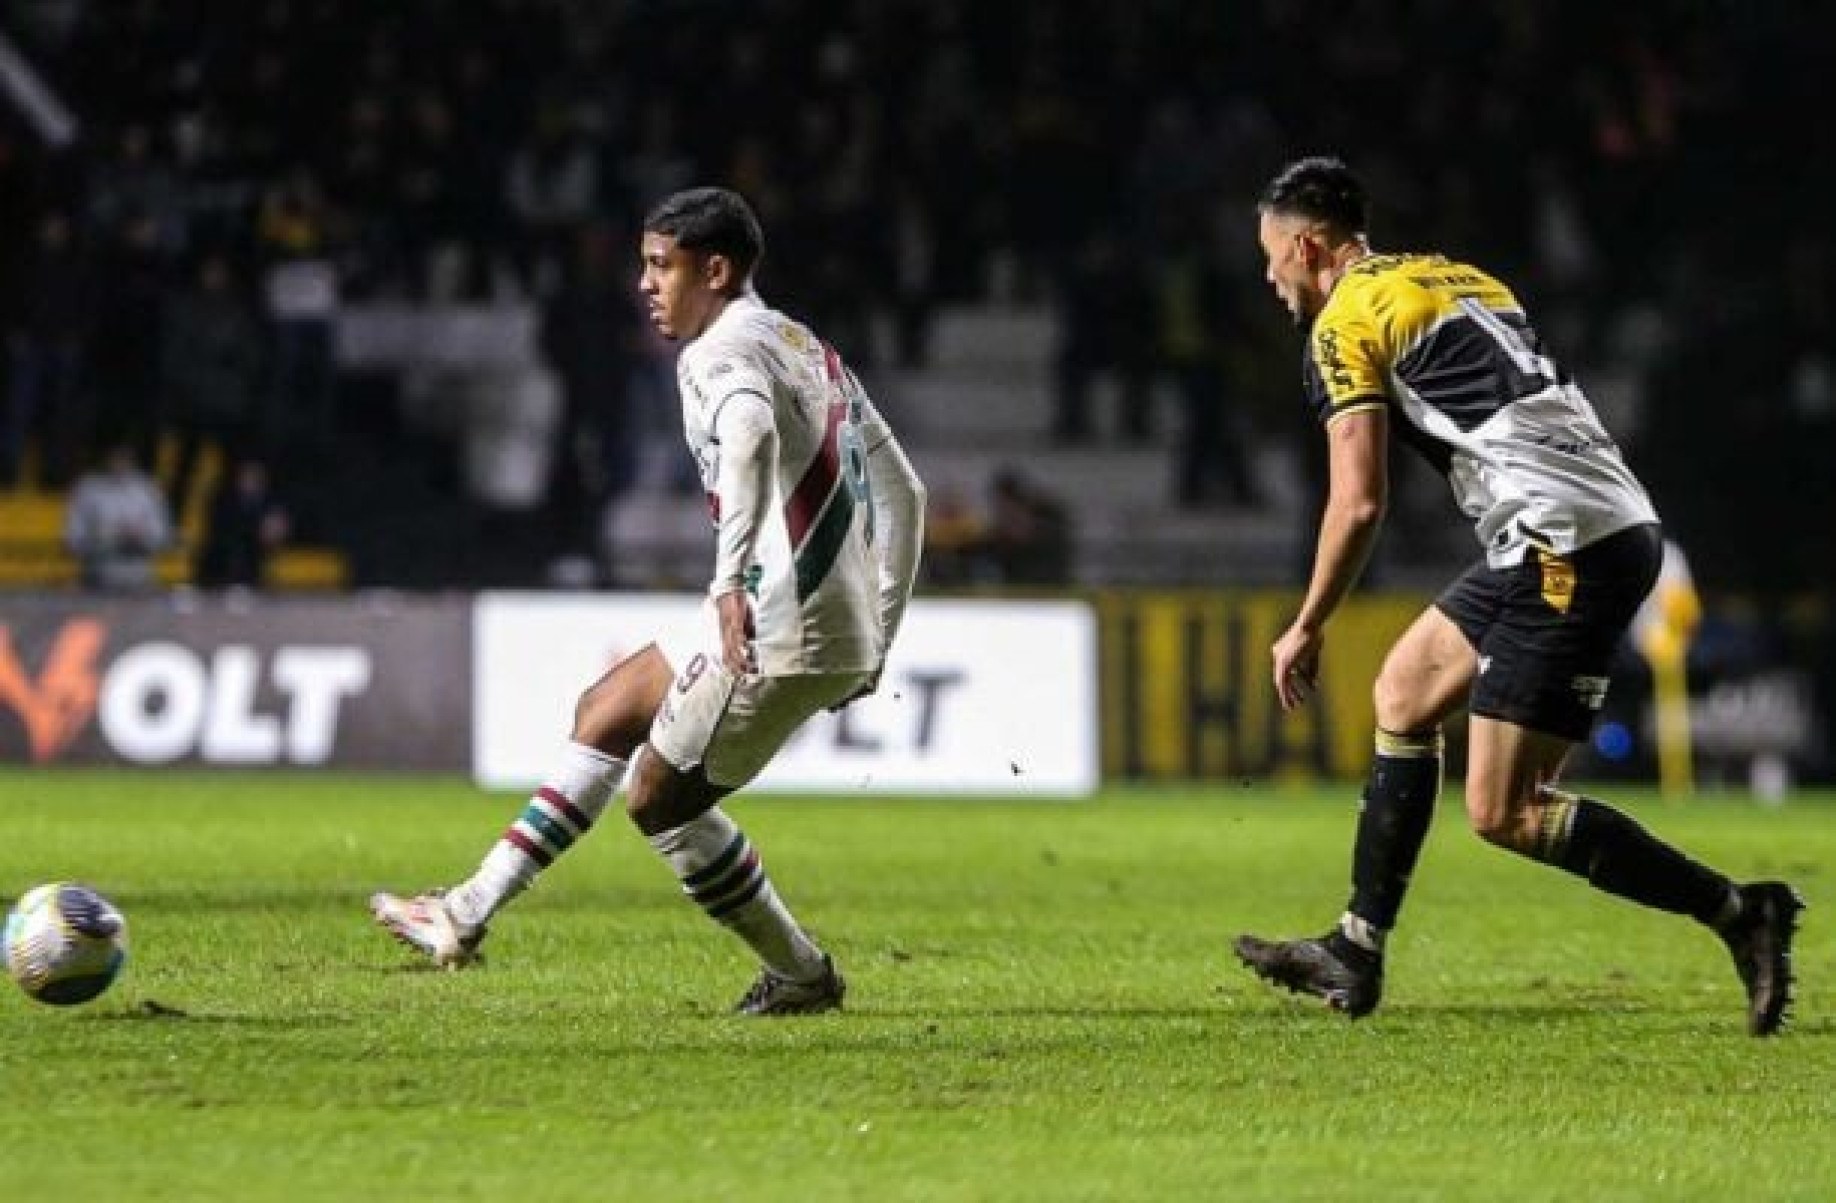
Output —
(424, 924)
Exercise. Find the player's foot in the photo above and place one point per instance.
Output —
(1760, 941)
(1347, 977)
(424, 924)
(776, 995)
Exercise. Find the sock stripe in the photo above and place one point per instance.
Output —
(740, 899)
(1557, 821)
(532, 849)
(1408, 747)
(711, 893)
(718, 866)
(555, 835)
(572, 815)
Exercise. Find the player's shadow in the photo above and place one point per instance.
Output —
(150, 1010)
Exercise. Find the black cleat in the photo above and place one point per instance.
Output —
(1760, 942)
(1351, 982)
(775, 995)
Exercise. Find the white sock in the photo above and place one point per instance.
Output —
(720, 869)
(1362, 932)
(570, 800)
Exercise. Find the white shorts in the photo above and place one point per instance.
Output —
(731, 728)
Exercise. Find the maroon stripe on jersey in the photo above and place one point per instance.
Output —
(818, 479)
(573, 814)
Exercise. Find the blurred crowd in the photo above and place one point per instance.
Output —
(244, 170)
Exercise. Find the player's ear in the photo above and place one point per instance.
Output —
(717, 272)
(1312, 250)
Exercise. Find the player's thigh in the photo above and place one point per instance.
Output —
(616, 711)
(1425, 676)
(729, 727)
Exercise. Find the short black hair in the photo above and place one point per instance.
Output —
(1320, 188)
(712, 221)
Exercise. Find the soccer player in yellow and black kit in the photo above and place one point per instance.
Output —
(1443, 356)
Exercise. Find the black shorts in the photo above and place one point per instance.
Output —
(1546, 629)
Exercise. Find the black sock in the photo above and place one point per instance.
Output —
(1392, 824)
(1614, 853)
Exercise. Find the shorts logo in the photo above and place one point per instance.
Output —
(1558, 581)
(1591, 691)
(1485, 665)
(691, 673)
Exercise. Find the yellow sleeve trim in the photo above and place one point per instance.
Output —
(1356, 407)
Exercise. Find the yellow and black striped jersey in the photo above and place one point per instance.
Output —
(1447, 349)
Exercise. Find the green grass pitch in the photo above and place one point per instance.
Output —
(1043, 1007)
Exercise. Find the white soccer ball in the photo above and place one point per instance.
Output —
(65, 943)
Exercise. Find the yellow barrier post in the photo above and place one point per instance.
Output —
(1663, 629)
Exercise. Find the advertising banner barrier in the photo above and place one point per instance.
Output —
(979, 696)
(1186, 690)
(241, 681)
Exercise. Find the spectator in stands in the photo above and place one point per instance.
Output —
(592, 333)
(303, 297)
(953, 539)
(1194, 304)
(47, 319)
(116, 523)
(551, 186)
(1028, 540)
(124, 362)
(1105, 328)
(247, 523)
(210, 367)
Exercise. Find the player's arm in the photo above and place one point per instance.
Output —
(896, 498)
(1348, 380)
(1358, 492)
(747, 434)
(1357, 495)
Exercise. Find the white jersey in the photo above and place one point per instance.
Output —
(816, 584)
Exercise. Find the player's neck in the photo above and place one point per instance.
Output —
(719, 305)
(1345, 256)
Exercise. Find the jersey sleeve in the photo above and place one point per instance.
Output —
(1347, 369)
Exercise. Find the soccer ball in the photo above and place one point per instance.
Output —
(65, 943)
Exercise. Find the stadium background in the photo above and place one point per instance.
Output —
(388, 251)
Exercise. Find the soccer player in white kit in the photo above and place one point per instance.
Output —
(819, 521)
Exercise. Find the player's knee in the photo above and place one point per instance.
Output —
(607, 718)
(658, 796)
(1498, 815)
(1399, 707)
(647, 793)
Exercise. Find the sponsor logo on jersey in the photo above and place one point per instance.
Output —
(1331, 359)
(794, 335)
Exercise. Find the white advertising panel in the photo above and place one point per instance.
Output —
(979, 697)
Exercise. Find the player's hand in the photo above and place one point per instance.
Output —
(736, 633)
(1297, 664)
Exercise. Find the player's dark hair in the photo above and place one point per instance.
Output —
(1322, 189)
(711, 221)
